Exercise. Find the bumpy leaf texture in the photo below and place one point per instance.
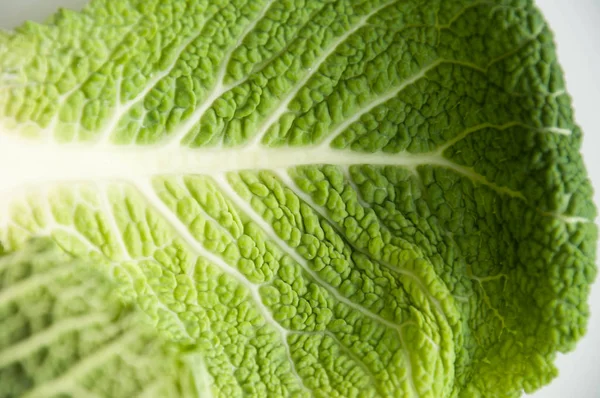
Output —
(328, 198)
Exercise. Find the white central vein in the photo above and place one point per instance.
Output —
(35, 163)
(31, 162)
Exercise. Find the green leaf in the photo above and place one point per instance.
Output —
(307, 198)
(67, 331)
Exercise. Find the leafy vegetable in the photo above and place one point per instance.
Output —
(289, 198)
(60, 309)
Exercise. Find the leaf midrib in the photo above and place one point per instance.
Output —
(27, 160)
(31, 163)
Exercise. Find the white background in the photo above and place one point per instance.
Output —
(576, 24)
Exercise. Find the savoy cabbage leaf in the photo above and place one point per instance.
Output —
(275, 198)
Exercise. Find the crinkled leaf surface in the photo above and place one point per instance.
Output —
(65, 329)
(309, 198)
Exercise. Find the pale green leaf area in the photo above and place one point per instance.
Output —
(289, 198)
(67, 328)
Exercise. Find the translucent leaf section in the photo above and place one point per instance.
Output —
(66, 332)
